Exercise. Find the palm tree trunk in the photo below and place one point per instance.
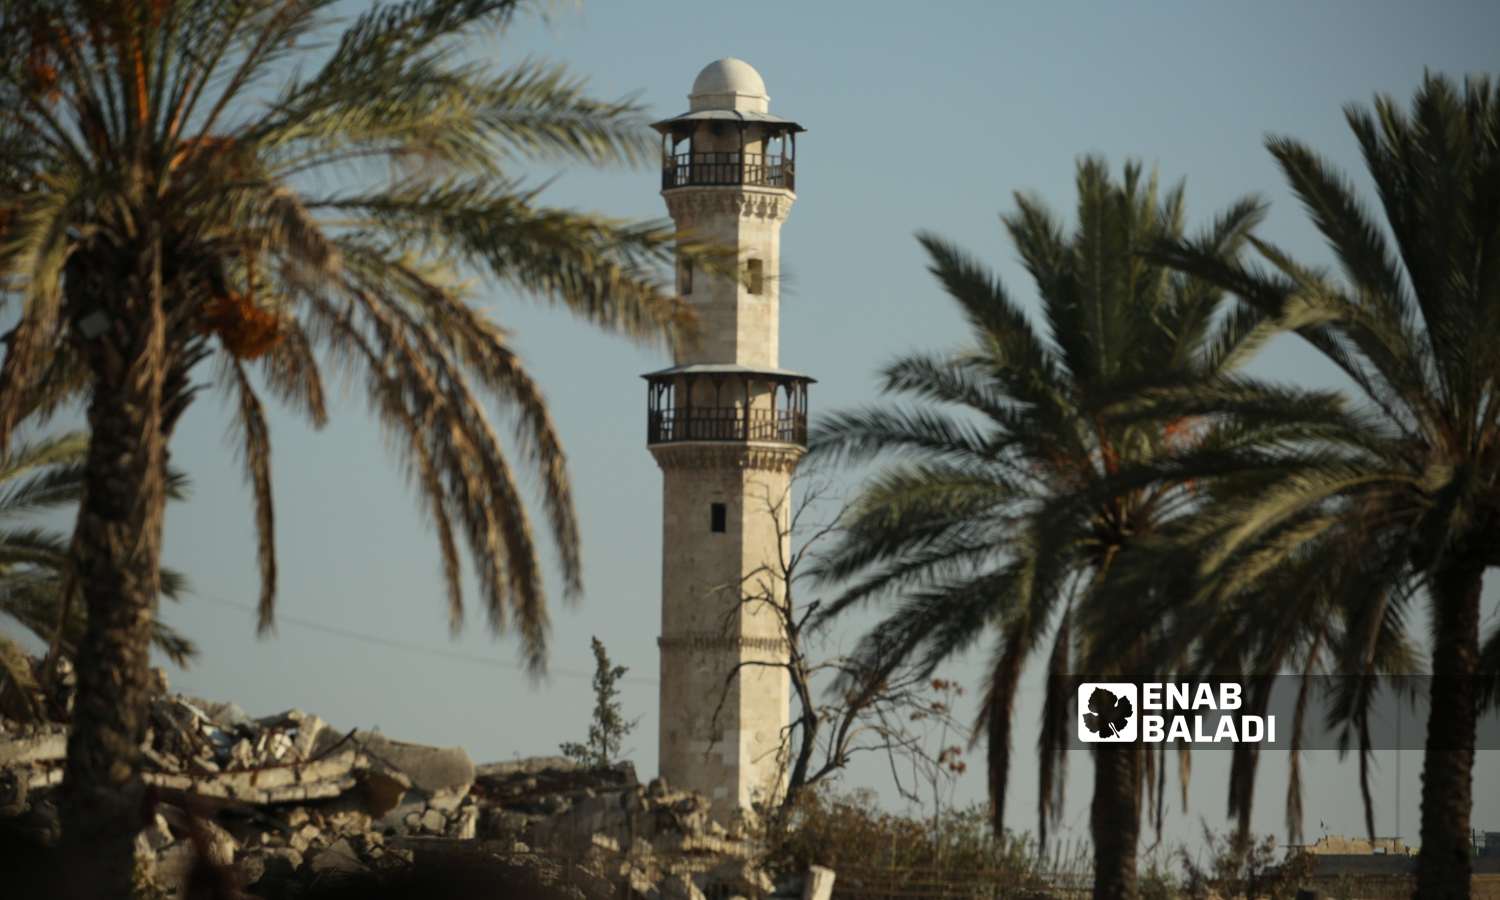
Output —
(117, 552)
(1114, 819)
(1443, 866)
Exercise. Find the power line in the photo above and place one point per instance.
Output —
(409, 647)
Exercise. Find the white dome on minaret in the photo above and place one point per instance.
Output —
(729, 83)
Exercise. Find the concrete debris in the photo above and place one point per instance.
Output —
(432, 770)
(340, 857)
(287, 799)
(157, 835)
(432, 822)
(742, 878)
(45, 746)
(679, 887)
(818, 884)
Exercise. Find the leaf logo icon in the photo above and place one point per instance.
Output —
(1107, 712)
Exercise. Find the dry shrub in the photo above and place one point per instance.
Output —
(883, 850)
(1241, 865)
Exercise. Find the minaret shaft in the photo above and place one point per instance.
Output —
(738, 319)
(727, 427)
(724, 699)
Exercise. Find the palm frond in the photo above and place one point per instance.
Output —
(253, 443)
(42, 474)
(18, 687)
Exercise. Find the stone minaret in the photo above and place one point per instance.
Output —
(727, 426)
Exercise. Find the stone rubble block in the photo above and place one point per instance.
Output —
(221, 844)
(170, 868)
(679, 887)
(157, 835)
(742, 877)
(433, 822)
(242, 754)
(818, 884)
(396, 818)
(465, 826)
(309, 729)
(337, 857)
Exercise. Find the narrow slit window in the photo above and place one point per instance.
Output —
(718, 518)
(685, 275)
(755, 276)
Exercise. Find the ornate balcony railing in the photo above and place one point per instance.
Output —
(759, 169)
(726, 423)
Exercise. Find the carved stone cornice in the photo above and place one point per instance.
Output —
(685, 205)
(687, 643)
(782, 458)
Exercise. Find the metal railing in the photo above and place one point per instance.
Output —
(726, 423)
(758, 169)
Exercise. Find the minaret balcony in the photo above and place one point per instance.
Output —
(726, 423)
(726, 403)
(772, 170)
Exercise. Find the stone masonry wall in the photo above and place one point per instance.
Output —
(735, 325)
(707, 632)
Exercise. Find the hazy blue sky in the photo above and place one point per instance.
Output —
(919, 116)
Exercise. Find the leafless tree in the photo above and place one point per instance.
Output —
(841, 707)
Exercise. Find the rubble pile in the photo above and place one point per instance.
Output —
(288, 800)
(659, 841)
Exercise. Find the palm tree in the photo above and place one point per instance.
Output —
(249, 181)
(1285, 608)
(999, 514)
(1409, 485)
(36, 478)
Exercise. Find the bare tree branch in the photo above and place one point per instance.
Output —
(861, 709)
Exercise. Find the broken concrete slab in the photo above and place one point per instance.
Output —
(395, 818)
(431, 769)
(38, 780)
(382, 790)
(328, 768)
(224, 715)
(43, 747)
(528, 766)
(446, 801)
